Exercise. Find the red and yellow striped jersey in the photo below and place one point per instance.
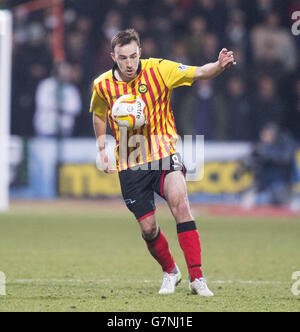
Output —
(155, 80)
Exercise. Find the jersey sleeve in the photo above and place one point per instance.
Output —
(98, 103)
(176, 74)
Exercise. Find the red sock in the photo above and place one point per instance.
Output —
(159, 249)
(189, 241)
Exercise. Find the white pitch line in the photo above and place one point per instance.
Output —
(254, 282)
(80, 281)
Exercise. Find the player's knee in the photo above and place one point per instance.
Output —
(149, 232)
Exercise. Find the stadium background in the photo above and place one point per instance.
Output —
(80, 254)
(229, 111)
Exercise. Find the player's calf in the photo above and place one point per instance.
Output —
(159, 249)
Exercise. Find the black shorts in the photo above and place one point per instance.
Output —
(138, 185)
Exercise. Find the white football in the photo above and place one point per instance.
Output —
(129, 111)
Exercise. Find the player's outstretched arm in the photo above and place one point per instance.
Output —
(100, 132)
(212, 70)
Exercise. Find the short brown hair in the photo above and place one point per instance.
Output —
(125, 37)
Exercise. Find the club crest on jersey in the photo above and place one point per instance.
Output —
(143, 88)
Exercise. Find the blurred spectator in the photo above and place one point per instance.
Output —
(233, 4)
(124, 7)
(32, 60)
(139, 23)
(210, 51)
(262, 9)
(271, 34)
(112, 24)
(186, 5)
(187, 31)
(238, 111)
(269, 63)
(179, 53)
(102, 61)
(272, 163)
(210, 9)
(75, 46)
(149, 48)
(58, 102)
(183, 97)
(84, 25)
(194, 40)
(241, 58)
(293, 6)
(264, 6)
(162, 32)
(267, 105)
(293, 115)
(202, 109)
(236, 32)
(178, 17)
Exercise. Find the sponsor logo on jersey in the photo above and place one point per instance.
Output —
(183, 67)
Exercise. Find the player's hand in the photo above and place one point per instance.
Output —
(106, 165)
(226, 59)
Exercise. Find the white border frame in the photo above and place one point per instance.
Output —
(5, 99)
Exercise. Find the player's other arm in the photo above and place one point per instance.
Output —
(99, 123)
(212, 70)
(99, 109)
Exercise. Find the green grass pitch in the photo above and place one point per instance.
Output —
(77, 258)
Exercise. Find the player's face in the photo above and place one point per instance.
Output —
(127, 58)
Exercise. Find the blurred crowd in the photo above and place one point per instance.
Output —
(263, 88)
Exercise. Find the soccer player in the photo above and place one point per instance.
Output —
(153, 80)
